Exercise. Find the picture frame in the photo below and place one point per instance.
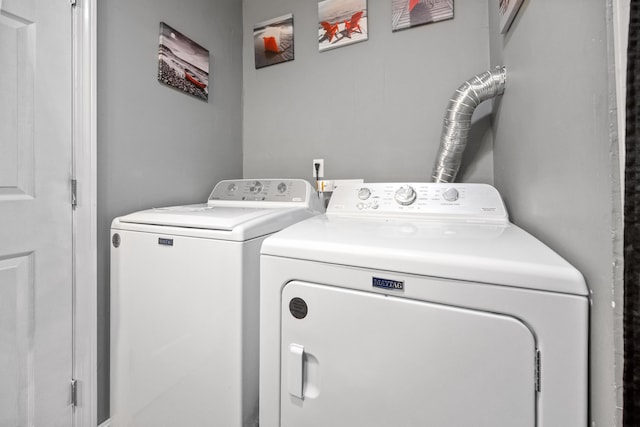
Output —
(182, 63)
(507, 9)
(341, 23)
(273, 41)
(407, 14)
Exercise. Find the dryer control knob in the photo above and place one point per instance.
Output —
(450, 194)
(364, 193)
(255, 187)
(405, 195)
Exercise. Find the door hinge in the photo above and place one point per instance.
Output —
(74, 392)
(537, 374)
(74, 193)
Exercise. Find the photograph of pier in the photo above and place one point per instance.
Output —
(183, 63)
(410, 13)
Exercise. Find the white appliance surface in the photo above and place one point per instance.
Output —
(184, 304)
(419, 304)
(236, 210)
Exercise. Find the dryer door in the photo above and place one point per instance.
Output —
(353, 358)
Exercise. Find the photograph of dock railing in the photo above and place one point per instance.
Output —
(410, 13)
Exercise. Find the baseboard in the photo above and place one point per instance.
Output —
(106, 423)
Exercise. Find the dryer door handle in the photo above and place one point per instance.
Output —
(296, 370)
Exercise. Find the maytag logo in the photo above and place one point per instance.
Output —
(165, 242)
(394, 285)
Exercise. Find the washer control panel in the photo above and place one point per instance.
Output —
(479, 202)
(261, 190)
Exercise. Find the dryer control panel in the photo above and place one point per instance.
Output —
(471, 202)
(265, 190)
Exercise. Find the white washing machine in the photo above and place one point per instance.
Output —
(419, 305)
(184, 304)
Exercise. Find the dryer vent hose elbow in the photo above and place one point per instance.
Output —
(457, 120)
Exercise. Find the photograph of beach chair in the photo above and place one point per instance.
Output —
(411, 13)
(183, 63)
(508, 9)
(273, 41)
(341, 22)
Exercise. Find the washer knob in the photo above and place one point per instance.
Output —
(255, 187)
(405, 195)
(450, 194)
(282, 187)
(231, 188)
(364, 193)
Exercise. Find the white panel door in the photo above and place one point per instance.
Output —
(35, 213)
(352, 358)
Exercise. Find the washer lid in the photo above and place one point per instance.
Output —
(214, 222)
(237, 210)
(202, 216)
(500, 254)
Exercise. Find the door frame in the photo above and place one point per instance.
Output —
(85, 306)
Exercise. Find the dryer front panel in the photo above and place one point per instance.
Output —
(353, 358)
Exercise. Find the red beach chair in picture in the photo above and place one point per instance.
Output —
(330, 30)
(354, 24)
(271, 45)
(412, 4)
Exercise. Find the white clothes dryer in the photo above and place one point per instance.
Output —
(419, 305)
(184, 304)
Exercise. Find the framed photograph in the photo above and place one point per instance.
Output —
(341, 22)
(273, 41)
(183, 63)
(508, 9)
(411, 13)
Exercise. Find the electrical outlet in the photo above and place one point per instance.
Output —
(320, 170)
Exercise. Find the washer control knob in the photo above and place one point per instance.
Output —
(450, 194)
(232, 188)
(282, 187)
(405, 195)
(255, 187)
(364, 193)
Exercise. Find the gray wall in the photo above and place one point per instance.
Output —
(555, 160)
(156, 145)
(373, 109)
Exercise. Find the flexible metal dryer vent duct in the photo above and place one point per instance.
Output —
(457, 120)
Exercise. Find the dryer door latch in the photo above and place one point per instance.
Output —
(296, 370)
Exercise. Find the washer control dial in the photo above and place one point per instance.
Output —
(450, 194)
(255, 187)
(364, 193)
(231, 188)
(405, 195)
(282, 187)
